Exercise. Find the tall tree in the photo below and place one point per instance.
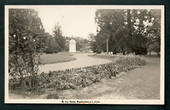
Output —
(145, 29)
(25, 39)
(139, 20)
(128, 30)
(109, 21)
(154, 31)
(59, 38)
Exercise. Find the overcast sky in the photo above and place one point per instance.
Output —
(75, 21)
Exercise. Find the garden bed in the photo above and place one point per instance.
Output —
(85, 76)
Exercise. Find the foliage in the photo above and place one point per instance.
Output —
(25, 44)
(98, 43)
(109, 21)
(140, 20)
(132, 30)
(59, 38)
(82, 77)
(154, 32)
(55, 43)
(49, 46)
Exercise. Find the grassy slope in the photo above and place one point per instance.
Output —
(56, 58)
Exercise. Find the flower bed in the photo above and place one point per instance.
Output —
(85, 76)
(80, 77)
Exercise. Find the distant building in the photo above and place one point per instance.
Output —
(72, 45)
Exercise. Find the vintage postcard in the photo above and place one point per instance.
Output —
(84, 54)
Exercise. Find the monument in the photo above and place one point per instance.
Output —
(72, 45)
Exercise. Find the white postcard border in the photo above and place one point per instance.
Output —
(85, 101)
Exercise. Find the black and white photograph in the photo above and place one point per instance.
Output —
(84, 54)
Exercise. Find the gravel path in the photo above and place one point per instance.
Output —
(82, 60)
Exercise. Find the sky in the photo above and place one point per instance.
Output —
(74, 21)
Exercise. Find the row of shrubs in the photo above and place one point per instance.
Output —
(85, 76)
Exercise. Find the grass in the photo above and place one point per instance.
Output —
(56, 58)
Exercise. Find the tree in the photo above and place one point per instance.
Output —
(98, 43)
(49, 46)
(110, 22)
(92, 40)
(146, 30)
(25, 44)
(154, 31)
(139, 21)
(131, 30)
(59, 38)
(121, 44)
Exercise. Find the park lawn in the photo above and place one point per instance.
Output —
(56, 58)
